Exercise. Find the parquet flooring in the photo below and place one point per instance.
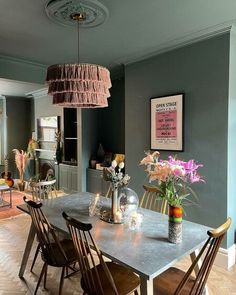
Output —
(13, 234)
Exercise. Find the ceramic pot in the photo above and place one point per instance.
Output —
(175, 224)
(21, 186)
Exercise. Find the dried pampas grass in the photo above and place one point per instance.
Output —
(21, 159)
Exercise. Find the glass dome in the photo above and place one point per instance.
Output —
(129, 201)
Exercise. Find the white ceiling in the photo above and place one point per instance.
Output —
(134, 30)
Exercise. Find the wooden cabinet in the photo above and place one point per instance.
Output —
(95, 182)
(68, 178)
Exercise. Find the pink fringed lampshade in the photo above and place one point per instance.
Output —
(79, 85)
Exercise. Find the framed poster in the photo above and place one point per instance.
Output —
(167, 123)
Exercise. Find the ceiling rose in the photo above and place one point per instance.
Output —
(60, 11)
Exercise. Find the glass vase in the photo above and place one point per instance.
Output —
(175, 224)
(114, 203)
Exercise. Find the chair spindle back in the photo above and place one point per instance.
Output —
(211, 248)
(84, 243)
(47, 238)
(151, 201)
(43, 190)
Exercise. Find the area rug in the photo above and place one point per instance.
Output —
(17, 199)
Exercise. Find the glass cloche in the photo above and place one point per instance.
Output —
(129, 201)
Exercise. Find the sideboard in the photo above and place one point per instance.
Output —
(95, 182)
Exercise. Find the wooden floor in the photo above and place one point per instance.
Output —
(13, 234)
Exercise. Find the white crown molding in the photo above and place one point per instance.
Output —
(188, 39)
(18, 60)
(38, 93)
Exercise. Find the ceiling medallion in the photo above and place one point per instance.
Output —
(60, 11)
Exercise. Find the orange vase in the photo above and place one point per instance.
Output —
(175, 224)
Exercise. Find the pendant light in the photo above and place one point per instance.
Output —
(80, 85)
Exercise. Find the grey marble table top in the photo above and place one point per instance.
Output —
(146, 251)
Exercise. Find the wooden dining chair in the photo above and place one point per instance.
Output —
(150, 200)
(176, 282)
(54, 252)
(43, 190)
(105, 278)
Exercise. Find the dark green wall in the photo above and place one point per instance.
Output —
(90, 139)
(201, 72)
(232, 138)
(105, 126)
(112, 119)
(18, 110)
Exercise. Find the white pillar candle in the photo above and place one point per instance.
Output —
(118, 216)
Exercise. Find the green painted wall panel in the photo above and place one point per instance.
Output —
(18, 127)
(90, 135)
(112, 119)
(201, 72)
(232, 140)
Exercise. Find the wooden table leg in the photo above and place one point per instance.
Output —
(146, 286)
(27, 250)
(197, 267)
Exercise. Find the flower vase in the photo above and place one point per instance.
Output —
(21, 185)
(114, 204)
(175, 224)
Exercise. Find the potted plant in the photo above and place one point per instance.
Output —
(21, 159)
(173, 178)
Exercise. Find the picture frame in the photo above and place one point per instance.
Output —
(167, 122)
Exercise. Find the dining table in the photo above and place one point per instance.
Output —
(146, 250)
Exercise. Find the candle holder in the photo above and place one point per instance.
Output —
(135, 221)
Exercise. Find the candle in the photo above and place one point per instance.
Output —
(118, 216)
(95, 201)
(93, 205)
(97, 197)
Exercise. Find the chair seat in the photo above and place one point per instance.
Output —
(167, 282)
(125, 280)
(60, 261)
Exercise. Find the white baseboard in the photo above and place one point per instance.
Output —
(226, 257)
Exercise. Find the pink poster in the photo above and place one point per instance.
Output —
(166, 124)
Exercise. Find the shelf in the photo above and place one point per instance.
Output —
(48, 127)
(42, 140)
(44, 150)
(69, 163)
